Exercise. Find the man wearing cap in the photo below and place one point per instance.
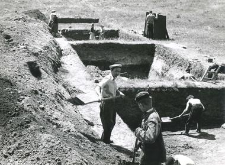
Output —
(195, 109)
(149, 134)
(107, 89)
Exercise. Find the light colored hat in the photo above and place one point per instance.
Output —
(115, 66)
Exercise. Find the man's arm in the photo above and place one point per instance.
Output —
(98, 91)
(203, 107)
(118, 92)
(149, 135)
(186, 109)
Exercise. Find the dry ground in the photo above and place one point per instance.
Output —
(39, 127)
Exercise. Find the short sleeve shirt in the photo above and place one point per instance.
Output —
(108, 86)
(194, 102)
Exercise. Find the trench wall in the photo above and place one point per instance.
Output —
(171, 65)
(135, 58)
(78, 20)
(171, 102)
(82, 34)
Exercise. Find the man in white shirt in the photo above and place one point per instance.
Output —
(107, 89)
(195, 109)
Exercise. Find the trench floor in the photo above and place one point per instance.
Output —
(78, 77)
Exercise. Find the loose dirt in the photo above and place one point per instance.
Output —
(38, 125)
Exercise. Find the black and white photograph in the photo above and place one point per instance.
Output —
(112, 82)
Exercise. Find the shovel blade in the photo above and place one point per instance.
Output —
(166, 119)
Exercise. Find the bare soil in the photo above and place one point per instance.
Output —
(38, 125)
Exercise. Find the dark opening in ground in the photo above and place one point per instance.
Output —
(135, 58)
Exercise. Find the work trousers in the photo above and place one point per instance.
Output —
(145, 161)
(195, 116)
(108, 119)
(150, 31)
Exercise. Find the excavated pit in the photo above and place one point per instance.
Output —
(135, 58)
(170, 102)
(148, 62)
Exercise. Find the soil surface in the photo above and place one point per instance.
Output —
(39, 73)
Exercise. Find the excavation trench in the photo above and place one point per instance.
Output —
(137, 60)
(171, 102)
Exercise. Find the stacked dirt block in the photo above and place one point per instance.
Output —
(160, 31)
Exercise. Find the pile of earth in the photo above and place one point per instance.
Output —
(38, 125)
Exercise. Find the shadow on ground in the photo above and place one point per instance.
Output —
(202, 135)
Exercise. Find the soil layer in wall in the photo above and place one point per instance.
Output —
(170, 102)
(135, 58)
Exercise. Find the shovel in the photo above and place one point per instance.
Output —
(169, 120)
(134, 153)
(78, 101)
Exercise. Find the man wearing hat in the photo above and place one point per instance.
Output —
(195, 107)
(107, 89)
(149, 134)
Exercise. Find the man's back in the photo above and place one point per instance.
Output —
(150, 19)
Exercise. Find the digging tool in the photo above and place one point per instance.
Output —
(78, 101)
(168, 119)
(134, 153)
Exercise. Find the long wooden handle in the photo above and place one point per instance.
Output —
(134, 153)
(104, 99)
(178, 117)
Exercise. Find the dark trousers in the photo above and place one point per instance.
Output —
(150, 31)
(145, 161)
(108, 119)
(195, 116)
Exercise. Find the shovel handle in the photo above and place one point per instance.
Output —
(110, 98)
(178, 117)
(103, 99)
(135, 149)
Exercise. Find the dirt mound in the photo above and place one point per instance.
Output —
(37, 125)
(36, 14)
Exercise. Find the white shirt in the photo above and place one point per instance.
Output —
(108, 86)
(193, 102)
